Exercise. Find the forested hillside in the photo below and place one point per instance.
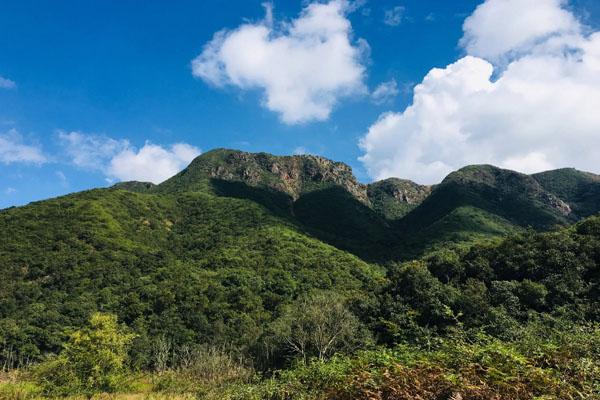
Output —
(245, 256)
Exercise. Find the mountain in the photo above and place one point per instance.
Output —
(393, 198)
(323, 196)
(581, 190)
(192, 265)
(291, 175)
(223, 246)
(392, 218)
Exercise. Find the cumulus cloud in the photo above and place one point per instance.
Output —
(303, 67)
(91, 151)
(7, 83)
(498, 27)
(393, 16)
(119, 160)
(532, 106)
(13, 150)
(385, 92)
(151, 163)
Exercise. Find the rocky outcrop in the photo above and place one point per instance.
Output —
(394, 198)
(293, 175)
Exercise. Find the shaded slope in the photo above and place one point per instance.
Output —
(393, 198)
(480, 201)
(321, 195)
(580, 189)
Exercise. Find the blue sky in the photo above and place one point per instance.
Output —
(120, 72)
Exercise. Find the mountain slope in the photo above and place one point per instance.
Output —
(392, 218)
(580, 189)
(192, 266)
(321, 195)
(394, 198)
(225, 245)
(481, 201)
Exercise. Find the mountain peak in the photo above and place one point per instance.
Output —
(292, 175)
(499, 185)
(395, 197)
(580, 189)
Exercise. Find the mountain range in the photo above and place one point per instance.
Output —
(392, 218)
(222, 246)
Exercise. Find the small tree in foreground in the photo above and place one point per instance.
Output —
(93, 360)
(319, 325)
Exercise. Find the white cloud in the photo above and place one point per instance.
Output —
(119, 160)
(151, 163)
(498, 27)
(393, 16)
(537, 109)
(13, 150)
(91, 151)
(304, 67)
(7, 83)
(10, 190)
(385, 92)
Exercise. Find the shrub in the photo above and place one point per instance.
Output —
(92, 361)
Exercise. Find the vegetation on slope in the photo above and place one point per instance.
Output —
(393, 198)
(250, 263)
(513, 320)
(580, 189)
(195, 267)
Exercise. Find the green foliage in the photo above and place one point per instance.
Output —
(93, 360)
(533, 367)
(318, 325)
(194, 267)
(580, 189)
(229, 266)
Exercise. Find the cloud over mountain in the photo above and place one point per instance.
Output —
(303, 67)
(525, 97)
(118, 159)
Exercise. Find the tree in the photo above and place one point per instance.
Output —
(93, 360)
(318, 324)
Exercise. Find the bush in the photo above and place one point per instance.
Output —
(92, 361)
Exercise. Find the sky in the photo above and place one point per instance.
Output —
(93, 93)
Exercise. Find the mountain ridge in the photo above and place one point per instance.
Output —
(392, 198)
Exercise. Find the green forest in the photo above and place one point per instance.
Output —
(252, 276)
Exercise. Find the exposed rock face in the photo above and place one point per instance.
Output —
(395, 197)
(557, 204)
(296, 176)
(580, 190)
(401, 190)
(293, 175)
